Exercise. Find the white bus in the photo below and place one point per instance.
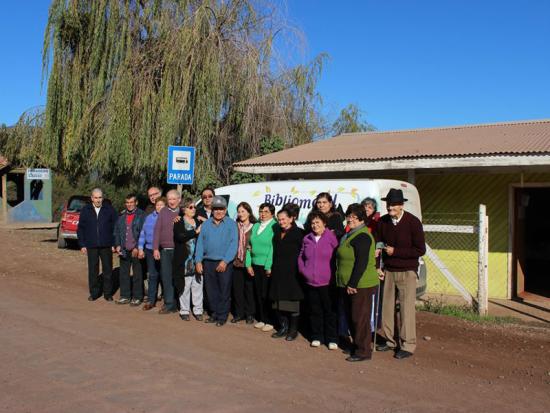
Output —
(303, 193)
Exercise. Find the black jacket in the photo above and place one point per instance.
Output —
(285, 280)
(181, 252)
(201, 212)
(96, 231)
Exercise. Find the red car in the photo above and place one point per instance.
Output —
(66, 232)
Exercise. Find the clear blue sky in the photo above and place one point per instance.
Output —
(408, 64)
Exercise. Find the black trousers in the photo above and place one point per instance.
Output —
(96, 284)
(131, 287)
(261, 291)
(243, 293)
(323, 315)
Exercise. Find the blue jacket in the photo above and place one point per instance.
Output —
(217, 242)
(120, 227)
(96, 231)
(147, 231)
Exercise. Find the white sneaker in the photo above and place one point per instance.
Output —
(315, 343)
(259, 324)
(332, 346)
(267, 327)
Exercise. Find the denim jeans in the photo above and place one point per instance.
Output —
(153, 268)
(166, 257)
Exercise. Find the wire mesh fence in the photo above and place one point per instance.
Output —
(452, 258)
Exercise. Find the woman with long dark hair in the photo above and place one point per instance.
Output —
(323, 203)
(243, 284)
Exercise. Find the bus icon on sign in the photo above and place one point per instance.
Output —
(181, 165)
(181, 160)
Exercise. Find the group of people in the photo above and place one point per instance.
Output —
(266, 270)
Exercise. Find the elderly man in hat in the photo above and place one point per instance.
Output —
(214, 254)
(402, 237)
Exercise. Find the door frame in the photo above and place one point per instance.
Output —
(512, 217)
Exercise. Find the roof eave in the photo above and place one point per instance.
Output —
(399, 164)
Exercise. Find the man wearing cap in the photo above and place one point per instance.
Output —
(402, 237)
(214, 254)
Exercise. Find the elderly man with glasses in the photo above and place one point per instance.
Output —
(153, 194)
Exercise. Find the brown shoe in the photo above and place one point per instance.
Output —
(148, 307)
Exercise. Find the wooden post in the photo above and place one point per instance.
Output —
(483, 262)
(5, 197)
(180, 188)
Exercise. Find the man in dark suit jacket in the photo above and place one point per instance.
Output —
(95, 237)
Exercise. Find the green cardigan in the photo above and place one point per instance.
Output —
(261, 247)
(345, 261)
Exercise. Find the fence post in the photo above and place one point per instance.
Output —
(483, 262)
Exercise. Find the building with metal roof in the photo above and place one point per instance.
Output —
(505, 166)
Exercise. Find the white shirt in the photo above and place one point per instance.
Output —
(395, 220)
(263, 225)
(317, 238)
(97, 210)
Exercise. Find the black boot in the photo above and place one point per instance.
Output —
(293, 328)
(283, 327)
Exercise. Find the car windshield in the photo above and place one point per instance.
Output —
(76, 204)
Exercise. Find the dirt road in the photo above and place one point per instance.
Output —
(61, 353)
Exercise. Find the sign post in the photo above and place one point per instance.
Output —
(181, 165)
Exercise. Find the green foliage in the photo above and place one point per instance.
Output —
(128, 78)
(267, 145)
(351, 120)
(464, 312)
(64, 188)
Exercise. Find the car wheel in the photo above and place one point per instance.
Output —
(61, 242)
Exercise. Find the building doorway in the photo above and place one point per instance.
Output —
(532, 242)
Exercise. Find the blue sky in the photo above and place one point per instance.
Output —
(407, 64)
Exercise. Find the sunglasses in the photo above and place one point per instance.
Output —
(191, 207)
(207, 196)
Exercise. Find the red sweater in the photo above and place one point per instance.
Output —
(407, 238)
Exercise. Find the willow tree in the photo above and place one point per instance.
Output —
(127, 78)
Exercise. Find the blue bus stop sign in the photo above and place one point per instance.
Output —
(181, 165)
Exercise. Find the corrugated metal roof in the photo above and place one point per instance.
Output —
(510, 138)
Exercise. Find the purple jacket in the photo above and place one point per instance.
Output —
(315, 261)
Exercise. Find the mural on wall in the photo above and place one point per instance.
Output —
(37, 203)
